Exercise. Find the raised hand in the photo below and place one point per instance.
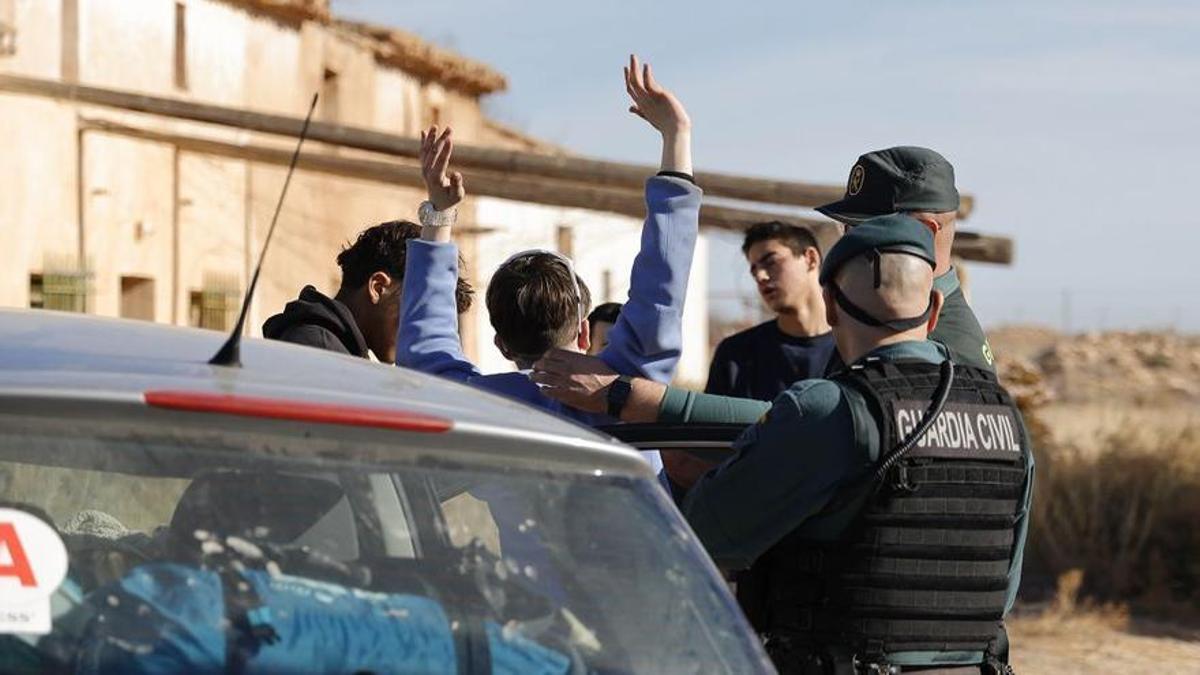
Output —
(652, 102)
(445, 190)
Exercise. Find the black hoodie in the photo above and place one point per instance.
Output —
(317, 320)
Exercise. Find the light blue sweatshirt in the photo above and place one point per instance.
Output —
(646, 340)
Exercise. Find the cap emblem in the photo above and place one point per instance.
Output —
(857, 176)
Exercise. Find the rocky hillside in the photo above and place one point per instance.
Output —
(1143, 369)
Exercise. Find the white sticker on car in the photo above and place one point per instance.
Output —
(33, 564)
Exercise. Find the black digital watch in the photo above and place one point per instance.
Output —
(618, 395)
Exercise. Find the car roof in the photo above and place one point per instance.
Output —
(78, 358)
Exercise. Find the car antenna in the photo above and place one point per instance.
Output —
(231, 352)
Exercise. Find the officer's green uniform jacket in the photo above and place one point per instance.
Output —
(957, 327)
(788, 467)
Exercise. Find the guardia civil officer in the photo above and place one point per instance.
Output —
(885, 508)
(920, 183)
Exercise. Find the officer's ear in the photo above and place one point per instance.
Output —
(831, 317)
(936, 300)
(928, 220)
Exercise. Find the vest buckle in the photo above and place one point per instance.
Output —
(872, 662)
(900, 480)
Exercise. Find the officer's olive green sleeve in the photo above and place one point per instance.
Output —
(958, 328)
(683, 405)
(786, 468)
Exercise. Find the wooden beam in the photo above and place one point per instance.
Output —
(983, 248)
(516, 188)
(560, 167)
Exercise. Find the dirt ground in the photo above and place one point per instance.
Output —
(1087, 645)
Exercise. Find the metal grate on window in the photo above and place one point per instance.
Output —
(62, 285)
(215, 305)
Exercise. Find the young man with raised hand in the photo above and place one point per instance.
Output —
(360, 319)
(535, 301)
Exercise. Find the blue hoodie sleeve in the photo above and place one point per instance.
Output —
(428, 338)
(648, 336)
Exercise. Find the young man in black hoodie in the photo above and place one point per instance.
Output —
(361, 318)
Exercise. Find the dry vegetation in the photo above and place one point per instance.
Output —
(1112, 570)
(1073, 635)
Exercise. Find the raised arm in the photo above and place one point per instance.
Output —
(648, 336)
(428, 338)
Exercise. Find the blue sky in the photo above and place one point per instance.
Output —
(1076, 124)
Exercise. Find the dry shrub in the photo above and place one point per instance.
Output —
(1122, 514)
(1068, 612)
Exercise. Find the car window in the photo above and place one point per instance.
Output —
(68, 493)
(205, 556)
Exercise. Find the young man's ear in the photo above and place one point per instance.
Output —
(584, 342)
(831, 316)
(812, 259)
(378, 285)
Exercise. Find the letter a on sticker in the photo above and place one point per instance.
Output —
(19, 567)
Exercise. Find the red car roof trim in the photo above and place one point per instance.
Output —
(298, 411)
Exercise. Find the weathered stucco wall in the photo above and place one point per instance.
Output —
(185, 220)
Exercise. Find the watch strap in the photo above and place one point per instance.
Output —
(618, 395)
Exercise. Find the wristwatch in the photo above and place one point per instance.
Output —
(618, 395)
(431, 217)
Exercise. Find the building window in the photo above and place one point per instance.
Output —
(216, 304)
(607, 281)
(329, 96)
(8, 27)
(137, 298)
(59, 287)
(70, 40)
(565, 240)
(181, 79)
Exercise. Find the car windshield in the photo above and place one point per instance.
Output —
(203, 555)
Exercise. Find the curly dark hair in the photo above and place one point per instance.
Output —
(384, 248)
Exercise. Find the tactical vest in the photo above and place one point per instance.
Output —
(923, 565)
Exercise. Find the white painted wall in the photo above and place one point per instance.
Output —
(601, 242)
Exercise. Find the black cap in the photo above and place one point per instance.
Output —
(885, 234)
(904, 178)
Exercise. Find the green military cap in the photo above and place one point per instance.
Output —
(896, 233)
(904, 178)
